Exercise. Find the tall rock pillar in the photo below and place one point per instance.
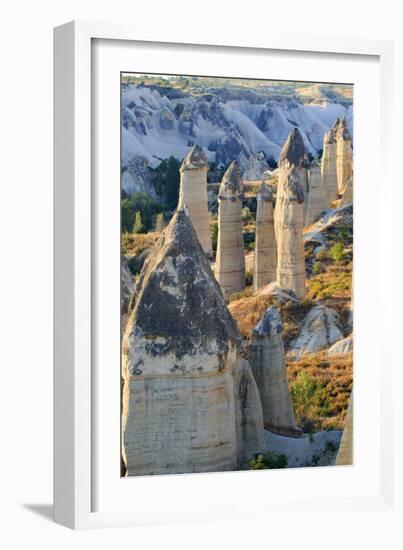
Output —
(315, 198)
(265, 260)
(190, 402)
(345, 452)
(344, 156)
(293, 156)
(329, 161)
(267, 360)
(289, 235)
(193, 194)
(230, 257)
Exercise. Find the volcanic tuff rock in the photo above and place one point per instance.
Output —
(294, 157)
(289, 236)
(230, 257)
(190, 403)
(193, 194)
(136, 177)
(257, 165)
(267, 359)
(347, 197)
(344, 156)
(320, 329)
(342, 346)
(265, 259)
(315, 199)
(329, 163)
(345, 453)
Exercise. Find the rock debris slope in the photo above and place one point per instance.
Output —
(190, 402)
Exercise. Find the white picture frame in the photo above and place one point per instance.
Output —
(77, 209)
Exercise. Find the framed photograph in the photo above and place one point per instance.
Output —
(213, 203)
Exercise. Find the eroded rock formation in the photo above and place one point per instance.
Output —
(347, 197)
(289, 236)
(320, 329)
(267, 359)
(190, 402)
(193, 194)
(329, 163)
(315, 199)
(265, 260)
(345, 452)
(344, 156)
(294, 157)
(230, 257)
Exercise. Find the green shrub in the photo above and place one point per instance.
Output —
(344, 233)
(138, 226)
(160, 222)
(316, 268)
(166, 180)
(337, 252)
(268, 461)
(214, 236)
(310, 400)
(139, 202)
(246, 214)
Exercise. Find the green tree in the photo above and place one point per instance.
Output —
(160, 222)
(166, 182)
(214, 236)
(268, 461)
(139, 202)
(337, 252)
(138, 226)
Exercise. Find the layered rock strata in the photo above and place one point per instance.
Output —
(267, 359)
(265, 259)
(230, 257)
(315, 198)
(345, 452)
(344, 156)
(320, 329)
(190, 402)
(289, 236)
(193, 194)
(329, 163)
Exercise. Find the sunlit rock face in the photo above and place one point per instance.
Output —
(345, 454)
(267, 359)
(193, 194)
(230, 257)
(293, 157)
(289, 226)
(347, 197)
(190, 403)
(344, 156)
(315, 198)
(329, 163)
(265, 259)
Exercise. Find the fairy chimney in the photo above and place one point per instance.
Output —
(315, 197)
(190, 402)
(345, 452)
(193, 194)
(267, 359)
(344, 156)
(328, 166)
(347, 197)
(293, 156)
(265, 260)
(230, 257)
(289, 236)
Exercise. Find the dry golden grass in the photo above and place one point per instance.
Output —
(135, 243)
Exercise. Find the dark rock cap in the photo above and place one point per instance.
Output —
(231, 183)
(265, 193)
(342, 130)
(294, 150)
(177, 298)
(270, 324)
(330, 136)
(196, 158)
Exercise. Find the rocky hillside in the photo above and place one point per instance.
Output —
(230, 122)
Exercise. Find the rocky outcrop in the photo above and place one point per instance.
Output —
(315, 198)
(230, 257)
(320, 329)
(346, 449)
(289, 236)
(344, 156)
(345, 345)
(193, 194)
(257, 165)
(190, 402)
(265, 259)
(136, 177)
(329, 161)
(347, 197)
(127, 284)
(267, 359)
